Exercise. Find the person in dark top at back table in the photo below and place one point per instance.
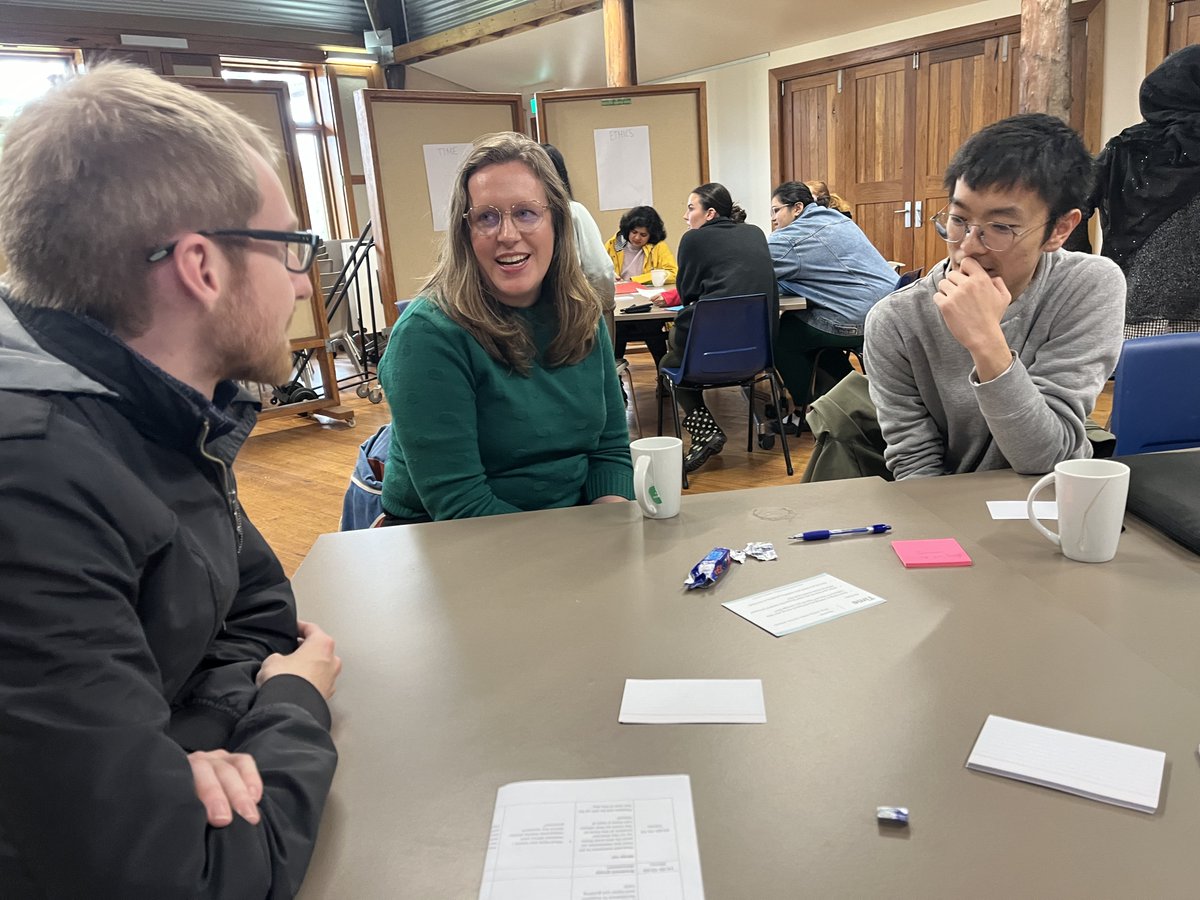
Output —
(720, 256)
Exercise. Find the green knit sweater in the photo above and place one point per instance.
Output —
(472, 438)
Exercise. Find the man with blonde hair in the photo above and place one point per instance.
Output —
(163, 722)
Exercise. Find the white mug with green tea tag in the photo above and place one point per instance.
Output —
(657, 475)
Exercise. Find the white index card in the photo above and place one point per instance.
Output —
(692, 700)
(1016, 509)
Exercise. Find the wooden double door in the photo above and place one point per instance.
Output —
(1184, 27)
(882, 133)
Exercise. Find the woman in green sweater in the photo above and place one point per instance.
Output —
(500, 377)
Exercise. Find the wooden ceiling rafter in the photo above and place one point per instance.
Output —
(512, 21)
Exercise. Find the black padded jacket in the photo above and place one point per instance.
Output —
(136, 606)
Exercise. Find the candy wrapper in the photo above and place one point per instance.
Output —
(759, 550)
(892, 815)
(708, 570)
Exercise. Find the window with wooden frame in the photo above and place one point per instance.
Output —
(26, 74)
(313, 133)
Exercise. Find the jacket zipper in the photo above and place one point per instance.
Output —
(231, 498)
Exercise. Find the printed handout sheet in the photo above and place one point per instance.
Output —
(802, 604)
(617, 838)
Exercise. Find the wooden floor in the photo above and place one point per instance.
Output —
(293, 471)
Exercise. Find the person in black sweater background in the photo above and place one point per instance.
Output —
(720, 256)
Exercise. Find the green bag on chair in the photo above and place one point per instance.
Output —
(849, 443)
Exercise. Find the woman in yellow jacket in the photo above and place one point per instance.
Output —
(639, 247)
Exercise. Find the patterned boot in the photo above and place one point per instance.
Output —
(707, 438)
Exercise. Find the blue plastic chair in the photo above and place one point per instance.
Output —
(1156, 399)
(729, 343)
(909, 277)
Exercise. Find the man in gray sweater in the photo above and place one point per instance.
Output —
(995, 359)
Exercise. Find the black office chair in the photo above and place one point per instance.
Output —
(729, 344)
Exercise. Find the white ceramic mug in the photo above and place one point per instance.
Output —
(1091, 505)
(658, 277)
(657, 475)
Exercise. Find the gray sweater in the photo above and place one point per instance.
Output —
(1065, 334)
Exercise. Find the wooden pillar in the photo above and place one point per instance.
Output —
(1046, 57)
(619, 57)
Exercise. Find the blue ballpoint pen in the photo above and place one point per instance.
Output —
(826, 534)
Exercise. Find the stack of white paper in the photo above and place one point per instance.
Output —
(1090, 767)
(632, 838)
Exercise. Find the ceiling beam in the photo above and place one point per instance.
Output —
(512, 21)
(388, 14)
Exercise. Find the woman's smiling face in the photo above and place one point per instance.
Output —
(513, 263)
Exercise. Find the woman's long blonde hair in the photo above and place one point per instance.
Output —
(824, 197)
(459, 289)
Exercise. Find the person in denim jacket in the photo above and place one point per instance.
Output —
(821, 255)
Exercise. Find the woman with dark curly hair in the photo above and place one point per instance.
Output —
(639, 246)
(637, 249)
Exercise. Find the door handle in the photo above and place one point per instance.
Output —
(907, 213)
(920, 217)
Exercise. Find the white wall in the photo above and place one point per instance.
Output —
(739, 95)
(1126, 33)
(417, 80)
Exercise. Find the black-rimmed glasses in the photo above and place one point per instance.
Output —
(526, 217)
(300, 246)
(995, 236)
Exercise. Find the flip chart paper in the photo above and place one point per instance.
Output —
(623, 167)
(441, 162)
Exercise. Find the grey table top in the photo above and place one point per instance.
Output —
(487, 651)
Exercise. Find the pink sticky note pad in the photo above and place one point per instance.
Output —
(931, 553)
